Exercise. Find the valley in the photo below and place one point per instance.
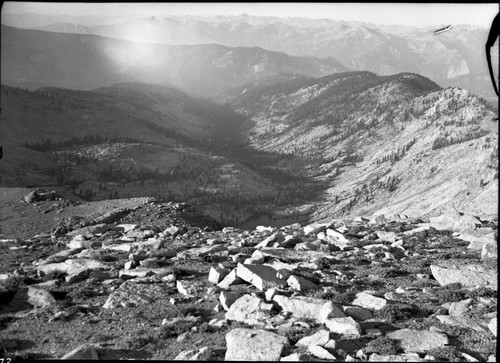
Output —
(304, 149)
(165, 145)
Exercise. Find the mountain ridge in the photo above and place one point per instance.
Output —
(36, 59)
(450, 59)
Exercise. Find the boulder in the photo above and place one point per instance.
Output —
(303, 307)
(249, 309)
(344, 326)
(261, 276)
(216, 275)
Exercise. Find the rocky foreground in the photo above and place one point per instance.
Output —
(154, 282)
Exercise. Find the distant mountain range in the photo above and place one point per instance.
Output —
(34, 59)
(454, 58)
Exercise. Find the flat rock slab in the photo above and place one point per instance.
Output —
(462, 322)
(418, 341)
(261, 276)
(249, 309)
(257, 345)
(368, 301)
(344, 326)
(468, 275)
(135, 294)
(303, 307)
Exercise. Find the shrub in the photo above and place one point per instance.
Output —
(398, 311)
(382, 346)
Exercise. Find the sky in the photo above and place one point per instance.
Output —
(410, 14)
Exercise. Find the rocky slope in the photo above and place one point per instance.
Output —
(395, 144)
(143, 279)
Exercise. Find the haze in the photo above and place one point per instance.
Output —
(419, 15)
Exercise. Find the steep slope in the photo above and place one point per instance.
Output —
(36, 59)
(453, 58)
(394, 144)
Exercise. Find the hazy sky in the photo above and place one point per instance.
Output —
(411, 14)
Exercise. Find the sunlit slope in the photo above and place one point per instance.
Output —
(395, 144)
(36, 59)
